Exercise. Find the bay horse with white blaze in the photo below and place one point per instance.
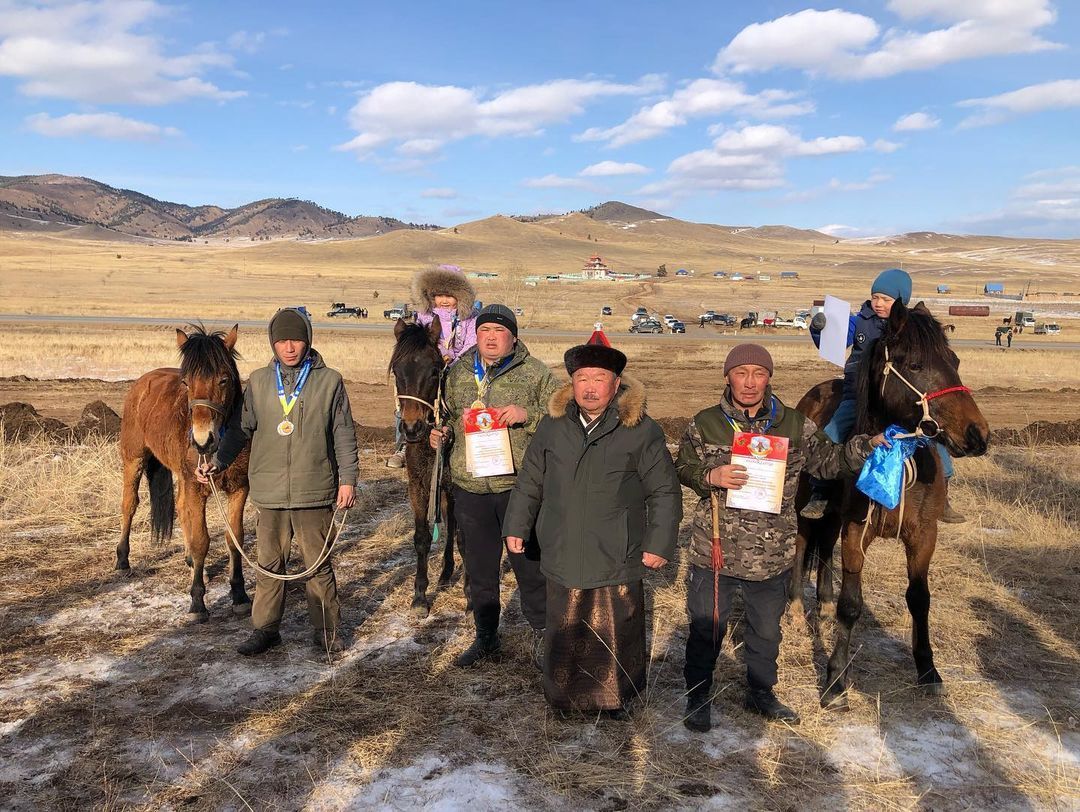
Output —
(171, 416)
(910, 377)
(417, 366)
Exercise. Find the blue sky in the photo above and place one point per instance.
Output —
(860, 118)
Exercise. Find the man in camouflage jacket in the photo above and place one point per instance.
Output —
(758, 547)
(498, 373)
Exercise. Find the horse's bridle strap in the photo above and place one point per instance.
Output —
(941, 392)
(209, 404)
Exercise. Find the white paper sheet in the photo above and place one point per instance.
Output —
(833, 345)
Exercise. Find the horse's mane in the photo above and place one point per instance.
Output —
(204, 354)
(912, 333)
(414, 338)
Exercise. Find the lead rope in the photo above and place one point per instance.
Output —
(327, 547)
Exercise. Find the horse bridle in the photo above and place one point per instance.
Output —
(923, 401)
(209, 404)
(435, 408)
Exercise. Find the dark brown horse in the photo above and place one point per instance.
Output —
(417, 366)
(909, 377)
(171, 416)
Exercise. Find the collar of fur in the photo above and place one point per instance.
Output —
(426, 284)
(630, 400)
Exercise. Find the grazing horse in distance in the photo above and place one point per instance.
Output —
(171, 416)
(417, 366)
(909, 377)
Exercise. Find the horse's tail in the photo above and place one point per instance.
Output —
(162, 501)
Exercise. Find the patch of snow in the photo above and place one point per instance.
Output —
(56, 677)
(860, 748)
(37, 763)
(939, 751)
(430, 783)
(7, 728)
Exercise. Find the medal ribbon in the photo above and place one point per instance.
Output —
(768, 425)
(483, 379)
(287, 403)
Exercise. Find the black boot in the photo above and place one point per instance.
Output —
(487, 639)
(259, 642)
(699, 710)
(764, 701)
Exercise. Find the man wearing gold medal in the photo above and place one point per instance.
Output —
(757, 546)
(303, 465)
(498, 375)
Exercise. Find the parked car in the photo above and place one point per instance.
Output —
(647, 326)
(682, 272)
(518, 311)
(396, 312)
(677, 327)
(344, 310)
(720, 275)
(726, 319)
(798, 322)
(605, 310)
(737, 277)
(668, 318)
(708, 315)
(1047, 329)
(640, 314)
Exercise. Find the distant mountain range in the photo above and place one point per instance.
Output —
(53, 202)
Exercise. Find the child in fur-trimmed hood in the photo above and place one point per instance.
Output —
(447, 294)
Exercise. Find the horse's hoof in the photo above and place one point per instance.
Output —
(835, 701)
(826, 609)
(242, 609)
(420, 609)
(197, 617)
(796, 610)
(932, 688)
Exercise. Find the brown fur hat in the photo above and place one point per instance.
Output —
(427, 284)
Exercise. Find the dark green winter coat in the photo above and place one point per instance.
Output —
(525, 382)
(757, 545)
(598, 500)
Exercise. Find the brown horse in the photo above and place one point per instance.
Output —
(170, 417)
(909, 377)
(417, 366)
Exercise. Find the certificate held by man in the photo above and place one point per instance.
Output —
(487, 444)
(764, 457)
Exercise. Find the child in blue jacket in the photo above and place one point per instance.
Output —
(864, 328)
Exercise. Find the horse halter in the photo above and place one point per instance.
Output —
(924, 398)
(209, 404)
(436, 407)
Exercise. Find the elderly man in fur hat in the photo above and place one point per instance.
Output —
(600, 488)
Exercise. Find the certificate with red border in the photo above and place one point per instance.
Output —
(487, 444)
(765, 458)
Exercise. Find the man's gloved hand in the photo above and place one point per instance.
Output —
(817, 324)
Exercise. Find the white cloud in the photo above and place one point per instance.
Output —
(409, 112)
(609, 168)
(554, 182)
(837, 185)
(1057, 95)
(247, 41)
(440, 193)
(845, 45)
(749, 158)
(98, 125)
(87, 52)
(702, 97)
(913, 122)
(1046, 205)
(881, 145)
(838, 230)
(299, 148)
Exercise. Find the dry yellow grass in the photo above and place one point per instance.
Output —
(166, 726)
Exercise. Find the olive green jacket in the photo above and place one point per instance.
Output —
(525, 382)
(598, 499)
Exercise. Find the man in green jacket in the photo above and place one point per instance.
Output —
(758, 547)
(599, 486)
(303, 465)
(498, 374)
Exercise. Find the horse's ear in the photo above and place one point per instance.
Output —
(922, 308)
(898, 317)
(230, 339)
(181, 338)
(435, 329)
(399, 328)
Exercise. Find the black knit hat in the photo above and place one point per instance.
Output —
(596, 353)
(499, 314)
(288, 324)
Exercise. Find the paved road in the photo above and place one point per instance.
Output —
(693, 332)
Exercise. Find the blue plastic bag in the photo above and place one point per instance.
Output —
(882, 475)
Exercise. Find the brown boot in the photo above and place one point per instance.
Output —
(950, 516)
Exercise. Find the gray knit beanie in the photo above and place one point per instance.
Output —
(748, 354)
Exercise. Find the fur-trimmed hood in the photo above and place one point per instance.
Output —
(425, 284)
(630, 400)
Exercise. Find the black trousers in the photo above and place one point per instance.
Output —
(479, 518)
(764, 602)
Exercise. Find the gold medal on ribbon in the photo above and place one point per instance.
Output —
(478, 404)
(285, 427)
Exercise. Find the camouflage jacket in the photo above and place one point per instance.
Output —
(525, 382)
(756, 545)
